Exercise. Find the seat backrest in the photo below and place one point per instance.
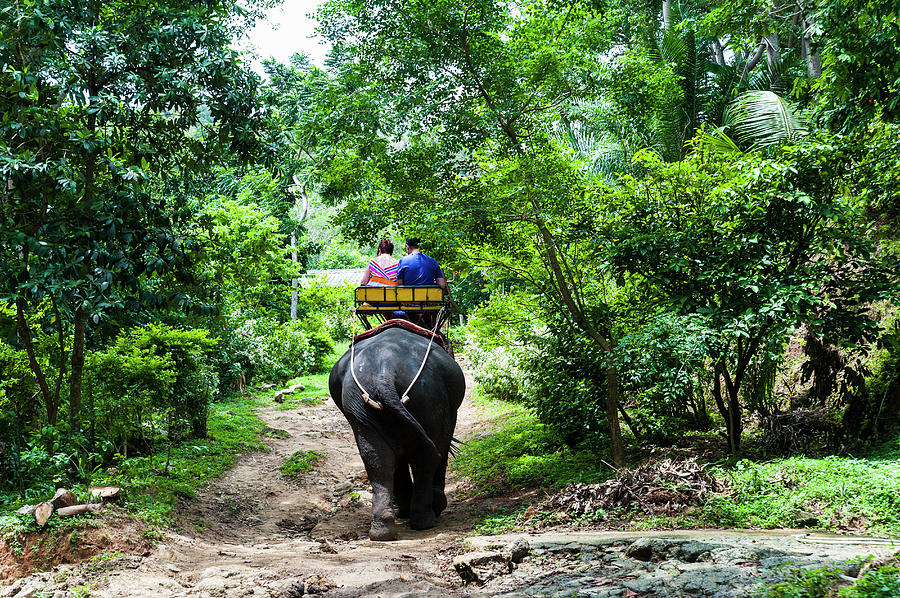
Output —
(397, 295)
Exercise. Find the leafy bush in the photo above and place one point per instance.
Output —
(501, 372)
(883, 582)
(568, 378)
(152, 378)
(658, 367)
(268, 350)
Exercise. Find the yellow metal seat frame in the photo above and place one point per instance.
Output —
(378, 304)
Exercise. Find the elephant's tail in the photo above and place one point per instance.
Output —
(392, 402)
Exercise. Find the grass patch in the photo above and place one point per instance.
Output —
(520, 452)
(300, 462)
(831, 493)
(827, 582)
(154, 484)
(315, 392)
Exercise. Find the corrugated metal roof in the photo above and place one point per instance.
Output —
(334, 278)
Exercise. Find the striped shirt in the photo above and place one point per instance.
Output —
(383, 277)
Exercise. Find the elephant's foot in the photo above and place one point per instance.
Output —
(383, 531)
(438, 501)
(422, 520)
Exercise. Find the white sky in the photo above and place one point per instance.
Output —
(287, 30)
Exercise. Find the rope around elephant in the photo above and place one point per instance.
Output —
(405, 396)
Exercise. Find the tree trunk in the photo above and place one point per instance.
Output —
(77, 373)
(773, 55)
(667, 14)
(730, 412)
(813, 60)
(50, 406)
(294, 281)
(612, 414)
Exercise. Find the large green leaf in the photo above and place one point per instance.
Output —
(763, 118)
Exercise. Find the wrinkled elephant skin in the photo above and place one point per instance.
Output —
(399, 439)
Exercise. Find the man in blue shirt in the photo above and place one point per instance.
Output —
(418, 269)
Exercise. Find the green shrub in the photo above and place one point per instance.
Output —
(658, 366)
(500, 372)
(568, 378)
(151, 379)
(827, 582)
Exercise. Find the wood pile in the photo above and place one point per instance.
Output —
(664, 487)
(65, 504)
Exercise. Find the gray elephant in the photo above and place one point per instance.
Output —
(397, 437)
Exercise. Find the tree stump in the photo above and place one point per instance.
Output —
(42, 513)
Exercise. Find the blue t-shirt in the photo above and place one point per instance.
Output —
(418, 269)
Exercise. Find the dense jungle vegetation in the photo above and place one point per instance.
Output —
(669, 224)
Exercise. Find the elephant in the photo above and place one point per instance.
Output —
(397, 437)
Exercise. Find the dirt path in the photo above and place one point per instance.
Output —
(256, 533)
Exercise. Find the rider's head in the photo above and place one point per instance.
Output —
(412, 243)
(385, 247)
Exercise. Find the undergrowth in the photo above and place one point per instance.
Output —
(520, 452)
(300, 462)
(154, 484)
(832, 493)
(828, 582)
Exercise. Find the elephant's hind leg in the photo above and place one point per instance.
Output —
(380, 463)
(422, 515)
(403, 488)
(439, 498)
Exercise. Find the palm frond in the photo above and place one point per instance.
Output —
(714, 140)
(763, 118)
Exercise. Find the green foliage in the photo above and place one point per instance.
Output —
(267, 350)
(835, 492)
(519, 452)
(883, 582)
(300, 462)
(501, 372)
(243, 253)
(153, 484)
(568, 381)
(661, 365)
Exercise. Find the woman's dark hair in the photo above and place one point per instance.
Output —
(386, 247)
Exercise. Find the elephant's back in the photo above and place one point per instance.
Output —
(398, 353)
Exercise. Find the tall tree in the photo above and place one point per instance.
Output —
(101, 98)
(459, 99)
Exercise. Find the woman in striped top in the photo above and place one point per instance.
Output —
(382, 269)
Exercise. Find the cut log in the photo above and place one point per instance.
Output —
(279, 396)
(42, 513)
(265, 386)
(297, 386)
(105, 493)
(79, 510)
(63, 498)
(26, 510)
